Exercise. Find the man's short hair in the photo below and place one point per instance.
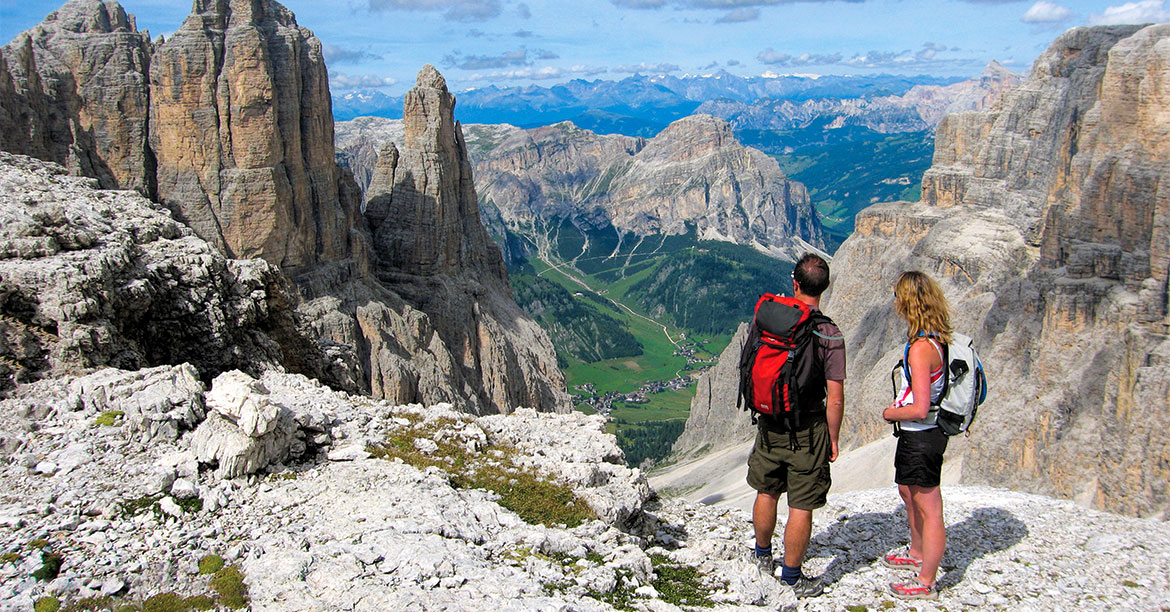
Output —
(812, 274)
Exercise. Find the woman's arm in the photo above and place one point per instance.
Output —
(923, 359)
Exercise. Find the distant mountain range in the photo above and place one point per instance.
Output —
(645, 105)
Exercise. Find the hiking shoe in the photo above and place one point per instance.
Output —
(901, 560)
(806, 587)
(913, 590)
(765, 564)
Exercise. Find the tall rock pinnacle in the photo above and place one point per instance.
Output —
(426, 218)
(432, 249)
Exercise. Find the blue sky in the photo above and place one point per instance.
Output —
(475, 43)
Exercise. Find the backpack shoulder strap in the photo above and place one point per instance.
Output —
(816, 318)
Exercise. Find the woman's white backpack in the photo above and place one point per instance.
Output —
(964, 386)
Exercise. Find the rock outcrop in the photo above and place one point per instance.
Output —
(75, 91)
(694, 174)
(92, 278)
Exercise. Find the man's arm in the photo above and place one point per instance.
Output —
(834, 411)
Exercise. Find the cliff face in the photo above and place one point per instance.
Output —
(240, 112)
(692, 173)
(1045, 220)
(423, 210)
(75, 92)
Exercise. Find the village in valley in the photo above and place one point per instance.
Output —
(586, 394)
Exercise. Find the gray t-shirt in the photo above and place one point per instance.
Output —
(831, 352)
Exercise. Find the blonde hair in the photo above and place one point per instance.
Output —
(921, 302)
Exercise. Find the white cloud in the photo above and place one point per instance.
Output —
(339, 80)
(643, 67)
(775, 58)
(338, 55)
(471, 11)
(1144, 11)
(740, 15)
(537, 74)
(1046, 12)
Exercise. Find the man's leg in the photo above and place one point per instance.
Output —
(764, 518)
(797, 531)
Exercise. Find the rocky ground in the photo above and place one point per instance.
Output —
(136, 505)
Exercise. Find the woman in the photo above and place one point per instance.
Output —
(921, 444)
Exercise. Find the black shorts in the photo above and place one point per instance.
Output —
(919, 458)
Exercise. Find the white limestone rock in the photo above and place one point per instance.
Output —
(244, 401)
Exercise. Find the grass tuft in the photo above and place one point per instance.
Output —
(678, 584)
(534, 497)
(210, 564)
(229, 584)
(165, 602)
(109, 418)
(47, 604)
(136, 506)
(90, 604)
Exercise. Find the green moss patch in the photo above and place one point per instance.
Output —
(681, 585)
(210, 564)
(536, 498)
(229, 584)
(109, 418)
(46, 604)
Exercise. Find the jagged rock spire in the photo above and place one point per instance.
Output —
(430, 198)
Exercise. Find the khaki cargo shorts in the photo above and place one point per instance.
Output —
(802, 474)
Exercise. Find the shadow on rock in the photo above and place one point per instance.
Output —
(859, 540)
(986, 531)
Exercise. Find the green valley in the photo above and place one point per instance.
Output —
(634, 320)
(847, 169)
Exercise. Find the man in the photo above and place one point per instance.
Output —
(777, 465)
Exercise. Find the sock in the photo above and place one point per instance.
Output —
(789, 574)
(763, 552)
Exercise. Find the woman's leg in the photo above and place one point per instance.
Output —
(933, 532)
(913, 517)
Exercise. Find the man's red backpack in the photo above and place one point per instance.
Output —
(781, 378)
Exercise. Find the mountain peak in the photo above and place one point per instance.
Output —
(429, 77)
